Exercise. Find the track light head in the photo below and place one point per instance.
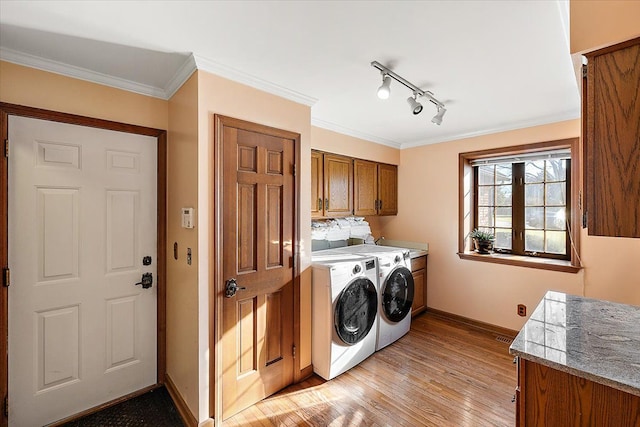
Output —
(437, 119)
(416, 107)
(385, 89)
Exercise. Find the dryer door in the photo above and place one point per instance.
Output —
(356, 310)
(397, 295)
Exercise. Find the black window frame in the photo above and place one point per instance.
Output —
(518, 207)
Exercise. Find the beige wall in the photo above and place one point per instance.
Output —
(222, 96)
(182, 279)
(41, 89)
(490, 292)
(600, 23)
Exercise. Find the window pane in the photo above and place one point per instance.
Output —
(534, 171)
(485, 196)
(503, 195)
(533, 218)
(534, 194)
(556, 170)
(556, 194)
(485, 174)
(556, 242)
(555, 219)
(534, 240)
(503, 238)
(485, 217)
(503, 217)
(503, 173)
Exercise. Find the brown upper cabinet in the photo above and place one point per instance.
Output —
(331, 185)
(375, 188)
(611, 132)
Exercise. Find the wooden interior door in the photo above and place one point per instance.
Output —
(82, 216)
(258, 223)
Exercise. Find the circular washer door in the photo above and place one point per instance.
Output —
(356, 310)
(397, 295)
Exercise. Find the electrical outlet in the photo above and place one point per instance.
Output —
(522, 310)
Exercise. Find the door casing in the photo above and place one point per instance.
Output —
(216, 282)
(7, 110)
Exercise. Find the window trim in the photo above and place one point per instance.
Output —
(466, 206)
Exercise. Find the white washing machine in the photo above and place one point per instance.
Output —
(395, 290)
(344, 311)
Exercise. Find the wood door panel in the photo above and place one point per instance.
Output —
(365, 183)
(388, 189)
(257, 236)
(612, 141)
(338, 185)
(317, 185)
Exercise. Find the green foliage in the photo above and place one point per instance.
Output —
(482, 235)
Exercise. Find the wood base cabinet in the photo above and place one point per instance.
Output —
(419, 272)
(549, 397)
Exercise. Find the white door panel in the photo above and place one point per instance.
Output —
(82, 215)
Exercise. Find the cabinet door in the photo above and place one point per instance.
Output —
(317, 184)
(612, 133)
(365, 187)
(338, 185)
(387, 189)
(419, 272)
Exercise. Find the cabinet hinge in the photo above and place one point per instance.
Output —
(6, 148)
(584, 71)
(293, 170)
(6, 406)
(6, 277)
(293, 351)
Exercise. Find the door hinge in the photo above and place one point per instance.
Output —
(293, 351)
(6, 148)
(6, 406)
(584, 71)
(6, 277)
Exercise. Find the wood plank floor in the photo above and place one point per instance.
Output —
(443, 373)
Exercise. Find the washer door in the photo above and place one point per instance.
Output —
(356, 310)
(397, 295)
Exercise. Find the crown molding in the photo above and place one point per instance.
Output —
(180, 77)
(56, 67)
(356, 134)
(540, 121)
(225, 71)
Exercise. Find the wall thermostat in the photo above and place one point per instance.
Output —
(187, 218)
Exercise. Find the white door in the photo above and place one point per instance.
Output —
(82, 215)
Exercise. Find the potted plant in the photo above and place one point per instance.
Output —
(483, 241)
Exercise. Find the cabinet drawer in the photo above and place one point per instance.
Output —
(418, 263)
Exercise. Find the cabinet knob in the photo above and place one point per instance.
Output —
(513, 399)
(319, 204)
(515, 360)
(326, 204)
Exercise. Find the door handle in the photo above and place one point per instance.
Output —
(146, 281)
(231, 288)
(326, 204)
(319, 204)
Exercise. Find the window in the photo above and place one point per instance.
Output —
(523, 195)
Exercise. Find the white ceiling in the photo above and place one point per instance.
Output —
(497, 65)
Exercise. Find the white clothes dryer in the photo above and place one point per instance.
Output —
(395, 290)
(344, 311)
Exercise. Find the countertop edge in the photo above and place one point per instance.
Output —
(577, 372)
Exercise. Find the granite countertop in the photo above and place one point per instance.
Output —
(416, 249)
(592, 339)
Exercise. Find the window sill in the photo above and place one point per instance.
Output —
(522, 261)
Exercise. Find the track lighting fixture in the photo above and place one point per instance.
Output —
(437, 119)
(385, 90)
(416, 107)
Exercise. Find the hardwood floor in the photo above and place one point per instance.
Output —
(443, 373)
